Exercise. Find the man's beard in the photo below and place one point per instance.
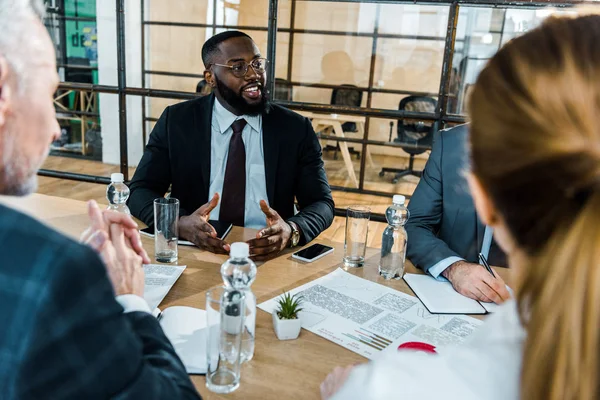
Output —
(17, 178)
(236, 100)
(11, 183)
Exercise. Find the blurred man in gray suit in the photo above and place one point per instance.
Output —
(445, 236)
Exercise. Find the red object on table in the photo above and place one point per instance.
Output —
(418, 346)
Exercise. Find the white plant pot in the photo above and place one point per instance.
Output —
(286, 329)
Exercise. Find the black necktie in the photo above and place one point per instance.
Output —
(233, 199)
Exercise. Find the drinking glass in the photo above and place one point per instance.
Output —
(224, 324)
(166, 217)
(357, 230)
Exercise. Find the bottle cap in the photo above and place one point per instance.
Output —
(398, 199)
(117, 177)
(240, 250)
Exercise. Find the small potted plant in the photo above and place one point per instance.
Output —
(285, 318)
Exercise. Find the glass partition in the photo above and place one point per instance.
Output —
(374, 78)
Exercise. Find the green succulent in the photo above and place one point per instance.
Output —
(289, 306)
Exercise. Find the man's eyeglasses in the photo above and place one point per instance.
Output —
(240, 68)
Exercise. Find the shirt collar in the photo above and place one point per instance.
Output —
(225, 118)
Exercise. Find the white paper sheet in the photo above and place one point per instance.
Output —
(493, 307)
(440, 296)
(371, 319)
(185, 328)
(159, 280)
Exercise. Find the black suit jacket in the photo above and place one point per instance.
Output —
(178, 153)
(443, 221)
(63, 334)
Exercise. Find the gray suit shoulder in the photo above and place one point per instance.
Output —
(454, 137)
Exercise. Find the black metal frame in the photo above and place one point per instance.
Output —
(441, 115)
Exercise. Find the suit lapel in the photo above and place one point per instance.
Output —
(270, 139)
(203, 129)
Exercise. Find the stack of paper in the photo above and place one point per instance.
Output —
(159, 280)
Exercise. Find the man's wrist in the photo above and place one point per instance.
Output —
(294, 238)
(132, 302)
(447, 273)
(458, 269)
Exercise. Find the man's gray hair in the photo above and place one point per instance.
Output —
(15, 25)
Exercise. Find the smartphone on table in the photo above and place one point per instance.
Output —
(222, 228)
(312, 252)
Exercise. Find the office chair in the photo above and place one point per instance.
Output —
(347, 95)
(283, 90)
(93, 143)
(76, 74)
(414, 136)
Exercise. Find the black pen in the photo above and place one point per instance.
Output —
(485, 264)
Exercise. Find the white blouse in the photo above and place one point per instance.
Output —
(485, 367)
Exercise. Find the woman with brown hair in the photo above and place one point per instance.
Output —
(535, 159)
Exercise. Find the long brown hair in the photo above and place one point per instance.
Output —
(535, 144)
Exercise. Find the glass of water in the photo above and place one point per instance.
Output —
(166, 216)
(225, 326)
(357, 230)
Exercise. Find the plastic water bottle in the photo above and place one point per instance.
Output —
(117, 194)
(238, 273)
(393, 242)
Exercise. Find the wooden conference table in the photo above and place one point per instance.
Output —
(280, 369)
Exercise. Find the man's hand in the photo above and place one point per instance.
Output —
(98, 233)
(474, 281)
(123, 265)
(197, 230)
(271, 240)
(334, 381)
(116, 238)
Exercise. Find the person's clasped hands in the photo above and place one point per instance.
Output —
(115, 237)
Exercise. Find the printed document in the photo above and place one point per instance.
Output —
(371, 319)
(159, 280)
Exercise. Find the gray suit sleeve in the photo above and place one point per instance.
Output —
(424, 248)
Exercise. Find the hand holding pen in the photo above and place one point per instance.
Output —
(485, 264)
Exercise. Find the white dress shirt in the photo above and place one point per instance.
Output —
(486, 367)
(132, 302)
(256, 185)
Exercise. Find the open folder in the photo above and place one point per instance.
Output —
(440, 297)
(186, 329)
(184, 326)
